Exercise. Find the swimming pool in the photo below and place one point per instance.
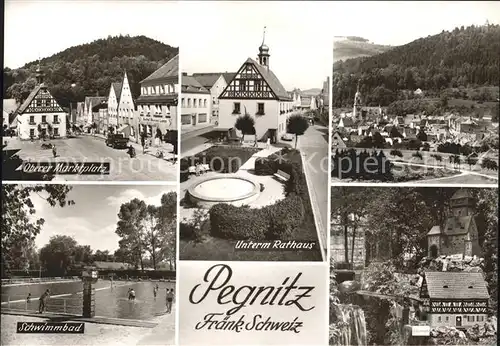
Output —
(109, 301)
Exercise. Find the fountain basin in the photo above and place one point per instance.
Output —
(226, 188)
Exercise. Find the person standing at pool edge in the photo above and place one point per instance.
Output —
(43, 301)
(170, 298)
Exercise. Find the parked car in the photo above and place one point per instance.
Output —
(287, 137)
(117, 140)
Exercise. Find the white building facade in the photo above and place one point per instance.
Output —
(196, 104)
(157, 106)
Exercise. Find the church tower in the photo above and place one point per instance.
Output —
(356, 109)
(40, 76)
(462, 203)
(264, 52)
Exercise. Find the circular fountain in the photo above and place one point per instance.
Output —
(226, 188)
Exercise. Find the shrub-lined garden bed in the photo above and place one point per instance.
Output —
(289, 219)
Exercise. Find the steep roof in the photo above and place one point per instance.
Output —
(271, 79)
(456, 285)
(92, 101)
(168, 70)
(434, 230)
(30, 98)
(457, 225)
(190, 84)
(462, 193)
(118, 90)
(207, 79)
(228, 76)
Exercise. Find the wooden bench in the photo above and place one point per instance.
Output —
(280, 175)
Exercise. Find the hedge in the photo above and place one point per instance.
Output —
(284, 217)
(271, 222)
(239, 223)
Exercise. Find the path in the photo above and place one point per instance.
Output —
(163, 333)
(314, 147)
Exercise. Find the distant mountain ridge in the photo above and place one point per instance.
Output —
(91, 68)
(349, 47)
(466, 57)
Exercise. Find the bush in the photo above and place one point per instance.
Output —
(194, 228)
(396, 152)
(437, 157)
(270, 165)
(418, 155)
(284, 217)
(238, 223)
(187, 231)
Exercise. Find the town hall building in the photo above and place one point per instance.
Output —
(459, 233)
(40, 114)
(255, 90)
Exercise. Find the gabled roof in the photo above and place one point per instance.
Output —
(456, 285)
(228, 76)
(207, 79)
(167, 71)
(28, 100)
(117, 87)
(462, 193)
(92, 101)
(271, 79)
(190, 84)
(434, 230)
(457, 225)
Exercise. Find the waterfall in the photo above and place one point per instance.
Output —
(353, 329)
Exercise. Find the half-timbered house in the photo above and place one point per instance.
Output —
(255, 90)
(40, 114)
(454, 299)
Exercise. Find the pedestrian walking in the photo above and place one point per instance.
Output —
(43, 301)
(268, 142)
(28, 298)
(54, 151)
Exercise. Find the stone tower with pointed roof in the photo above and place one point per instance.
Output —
(459, 233)
(356, 108)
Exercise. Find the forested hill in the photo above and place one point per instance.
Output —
(465, 57)
(91, 67)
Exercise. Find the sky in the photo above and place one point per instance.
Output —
(220, 36)
(92, 219)
(41, 28)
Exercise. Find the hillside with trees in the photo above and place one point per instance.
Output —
(89, 69)
(461, 64)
